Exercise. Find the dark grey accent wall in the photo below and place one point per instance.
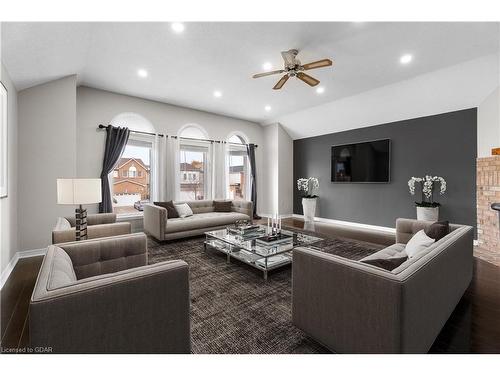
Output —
(443, 145)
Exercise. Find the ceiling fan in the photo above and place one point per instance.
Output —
(293, 68)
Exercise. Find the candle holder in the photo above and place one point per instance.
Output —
(273, 228)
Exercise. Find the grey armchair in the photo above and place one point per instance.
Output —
(98, 225)
(100, 296)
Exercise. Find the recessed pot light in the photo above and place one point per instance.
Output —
(406, 58)
(217, 93)
(143, 73)
(320, 90)
(267, 66)
(178, 27)
(267, 108)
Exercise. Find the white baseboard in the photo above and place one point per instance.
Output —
(350, 224)
(19, 255)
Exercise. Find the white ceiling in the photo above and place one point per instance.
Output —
(184, 69)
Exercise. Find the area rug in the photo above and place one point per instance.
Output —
(233, 309)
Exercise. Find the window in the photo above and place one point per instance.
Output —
(132, 172)
(193, 169)
(194, 160)
(239, 181)
(129, 191)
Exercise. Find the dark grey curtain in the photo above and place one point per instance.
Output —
(253, 197)
(116, 140)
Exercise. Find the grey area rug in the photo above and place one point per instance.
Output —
(233, 309)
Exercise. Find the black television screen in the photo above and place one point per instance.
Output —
(362, 162)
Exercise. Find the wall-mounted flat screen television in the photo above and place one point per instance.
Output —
(367, 162)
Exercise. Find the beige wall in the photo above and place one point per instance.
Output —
(47, 144)
(8, 205)
(96, 107)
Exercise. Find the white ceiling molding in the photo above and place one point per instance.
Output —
(457, 87)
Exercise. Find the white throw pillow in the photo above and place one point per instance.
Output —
(183, 210)
(419, 242)
(62, 224)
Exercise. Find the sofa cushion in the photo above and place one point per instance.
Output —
(183, 210)
(199, 207)
(419, 242)
(394, 251)
(62, 272)
(222, 206)
(169, 206)
(387, 264)
(205, 220)
(438, 230)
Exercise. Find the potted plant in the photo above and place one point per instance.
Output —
(308, 186)
(427, 209)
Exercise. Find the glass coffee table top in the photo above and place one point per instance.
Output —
(246, 248)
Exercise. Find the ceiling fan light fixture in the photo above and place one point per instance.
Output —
(267, 108)
(217, 93)
(320, 90)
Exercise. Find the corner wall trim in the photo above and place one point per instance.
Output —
(12, 264)
(350, 224)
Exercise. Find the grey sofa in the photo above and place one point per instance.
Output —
(158, 225)
(98, 225)
(354, 307)
(100, 296)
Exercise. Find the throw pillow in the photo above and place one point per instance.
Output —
(62, 224)
(169, 206)
(419, 242)
(388, 264)
(183, 210)
(438, 230)
(222, 206)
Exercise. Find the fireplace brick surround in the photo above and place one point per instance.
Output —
(488, 192)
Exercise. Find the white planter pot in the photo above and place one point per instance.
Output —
(428, 213)
(309, 208)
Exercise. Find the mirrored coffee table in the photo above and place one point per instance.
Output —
(247, 249)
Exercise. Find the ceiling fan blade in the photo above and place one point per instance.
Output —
(281, 82)
(267, 73)
(307, 79)
(317, 64)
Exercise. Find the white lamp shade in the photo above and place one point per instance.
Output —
(78, 190)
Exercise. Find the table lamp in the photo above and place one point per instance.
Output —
(79, 191)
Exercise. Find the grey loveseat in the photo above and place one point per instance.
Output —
(100, 296)
(157, 224)
(98, 225)
(354, 307)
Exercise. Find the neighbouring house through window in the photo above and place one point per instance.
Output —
(194, 160)
(132, 178)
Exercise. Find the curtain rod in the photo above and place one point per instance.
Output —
(101, 126)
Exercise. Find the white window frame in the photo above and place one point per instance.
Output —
(141, 141)
(246, 167)
(197, 146)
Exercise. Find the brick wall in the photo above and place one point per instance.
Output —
(488, 192)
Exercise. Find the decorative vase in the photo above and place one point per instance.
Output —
(428, 213)
(309, 208)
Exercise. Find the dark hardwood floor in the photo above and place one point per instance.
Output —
(473, 327)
